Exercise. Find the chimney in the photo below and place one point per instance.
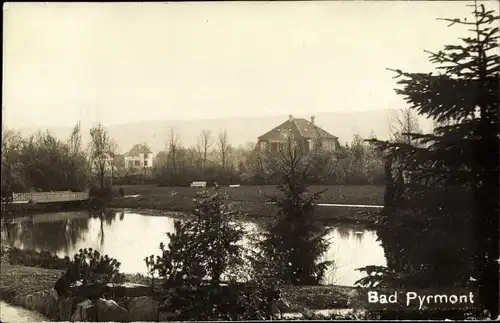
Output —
(290, 117)
(312, 119)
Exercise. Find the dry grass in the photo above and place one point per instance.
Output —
(312, 297)
(21, 280)
(249, 201)
(320, 297)
(341, 194)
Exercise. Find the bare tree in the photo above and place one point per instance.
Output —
(224, 148)
(75, 139)
(293, 159)
(113, 153)
(99, 150)
(404, 123)
(12, 168)
(205, 142)
(172, 148)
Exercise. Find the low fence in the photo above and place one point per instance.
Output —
(48, 197)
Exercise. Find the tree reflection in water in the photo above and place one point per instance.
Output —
(54, 232)
(49, 232)
(65, 233)
(344, 231)
(105, 216)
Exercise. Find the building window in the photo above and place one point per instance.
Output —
(130, 163)
(145, 163)
(145, 156)
(137, 163)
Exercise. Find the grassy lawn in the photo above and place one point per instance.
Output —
(249, 199)
(341, 194)
(21, 280)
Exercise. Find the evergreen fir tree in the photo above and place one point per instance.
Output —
(449, 182)
(294, 243)
(203, 247)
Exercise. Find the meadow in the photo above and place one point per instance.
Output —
(250, 199)
(335, 194)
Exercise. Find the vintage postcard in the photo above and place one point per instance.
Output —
(250, 160)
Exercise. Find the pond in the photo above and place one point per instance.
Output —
(130, 237)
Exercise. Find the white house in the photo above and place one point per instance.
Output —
(139, 157)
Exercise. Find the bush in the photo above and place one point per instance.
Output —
(32, 258)
(91, 269)
(99, 197)
(234, 301)
(42, 162)
(203, 250)
(203, 247)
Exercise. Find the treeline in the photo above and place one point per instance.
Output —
(41, 162)
(215, 159)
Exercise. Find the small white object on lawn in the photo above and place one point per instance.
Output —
(199, 184)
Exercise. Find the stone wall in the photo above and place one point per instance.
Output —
(132, 307)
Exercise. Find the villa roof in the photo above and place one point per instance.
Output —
(138, 149)
(298, 128)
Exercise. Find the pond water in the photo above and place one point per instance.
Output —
(130, 237)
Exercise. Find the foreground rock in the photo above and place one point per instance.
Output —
(31, 288)
(85, 311)
(143, 309)
(110, 311)
(66, 309)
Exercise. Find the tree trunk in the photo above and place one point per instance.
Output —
(102, 177)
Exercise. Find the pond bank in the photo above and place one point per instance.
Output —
(253, 211)
(10, 210)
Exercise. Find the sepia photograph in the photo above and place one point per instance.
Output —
(250, 161)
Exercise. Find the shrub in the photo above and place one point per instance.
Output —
(32, 258)
(234, 301)
(100, 196)
(203, 247)
(201, 251)
(90, 267)
(92, 270)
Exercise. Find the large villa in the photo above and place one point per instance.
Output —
(306, 132)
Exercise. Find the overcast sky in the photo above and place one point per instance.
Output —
(126, 62)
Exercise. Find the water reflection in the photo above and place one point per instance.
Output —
(54, 232)
(130, 237)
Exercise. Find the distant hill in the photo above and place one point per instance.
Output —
(240, 130)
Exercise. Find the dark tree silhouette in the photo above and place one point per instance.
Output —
(440, 189)
(293, 244)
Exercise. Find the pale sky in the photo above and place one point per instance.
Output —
(126, 62)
